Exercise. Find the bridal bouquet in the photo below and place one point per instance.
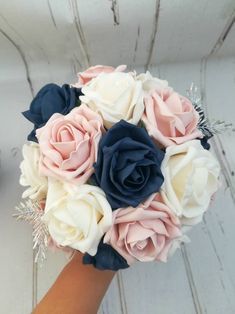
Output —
(117, 166)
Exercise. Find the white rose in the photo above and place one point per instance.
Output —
(115, 96)
(77, 216)
(30, 173)
(151, 83)
(191, 177)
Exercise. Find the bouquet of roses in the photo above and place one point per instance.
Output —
(117, 167)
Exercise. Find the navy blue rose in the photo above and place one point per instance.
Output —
(106, 258)
(49, 100)
(128, 165)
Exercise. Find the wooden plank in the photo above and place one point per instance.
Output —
(184, 33)
(210, 256)
(219, 83)
(225, 45)
(15, 239)
(125, 42)
(157, 288)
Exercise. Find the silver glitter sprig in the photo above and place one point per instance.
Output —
(204, 125)
(31, 212)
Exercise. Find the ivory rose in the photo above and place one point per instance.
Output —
(69, 144)
(92, 72)
(145, 233)
(169, 117)
(30, 176)
(151, 83)
(191, 177)
(115, 96)
(77, 216)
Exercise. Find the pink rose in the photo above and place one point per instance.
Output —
(170, 118)
(145, 233)
(92, 72)
(69, 144)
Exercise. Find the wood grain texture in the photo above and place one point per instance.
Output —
(184, 32)
(49, 41)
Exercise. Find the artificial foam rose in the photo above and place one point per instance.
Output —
(145, 233)
(128, 165)
(92, 72)
(69, 145)
(37, 184)
(51, 99)
(115, 96)
(151, 83)
(191, 177)
(169, 117)
(77, 216)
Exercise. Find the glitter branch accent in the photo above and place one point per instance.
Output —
(32, 213)
(204, 125)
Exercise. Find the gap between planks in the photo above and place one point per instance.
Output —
(192, 285)
(154, 33)
(80, 32)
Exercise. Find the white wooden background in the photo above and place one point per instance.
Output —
(181, 41)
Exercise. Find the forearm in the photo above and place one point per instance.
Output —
(78, 289)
